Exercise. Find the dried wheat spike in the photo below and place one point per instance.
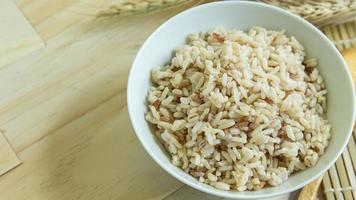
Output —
(137, 6)
(319, 12)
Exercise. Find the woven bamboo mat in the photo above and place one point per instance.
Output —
(340, 181)
(343, 35)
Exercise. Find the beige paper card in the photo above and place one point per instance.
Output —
(8, 158)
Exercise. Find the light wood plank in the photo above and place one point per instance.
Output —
(75, 139)
(53, 18)
(96, 55)
(18, 37)
(69, 98)
(95, 157)
(311, 190)
(187, 192)
(8, 158)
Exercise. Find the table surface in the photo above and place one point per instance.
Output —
(63, 103)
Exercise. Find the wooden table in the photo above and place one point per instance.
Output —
(63, 104)
(63, 75)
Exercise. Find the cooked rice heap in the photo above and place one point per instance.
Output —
(240, 110)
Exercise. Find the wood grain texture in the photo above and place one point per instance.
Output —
(51, 19)
(187, 192)
(75, 140)
(8, 158)
(96, 156)
(311, 190)
(18, 37)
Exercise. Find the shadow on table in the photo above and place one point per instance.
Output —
(93, 152)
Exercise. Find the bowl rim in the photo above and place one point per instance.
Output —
(235, 194)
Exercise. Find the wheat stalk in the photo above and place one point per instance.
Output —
(319, 12)
(138, 6)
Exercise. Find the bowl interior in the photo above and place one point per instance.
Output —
(158, 49)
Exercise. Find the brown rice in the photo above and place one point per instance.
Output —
(240, 110)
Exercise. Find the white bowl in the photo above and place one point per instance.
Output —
(158, 48)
